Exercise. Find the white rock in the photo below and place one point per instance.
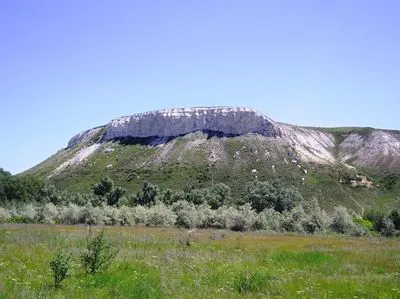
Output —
(175, 122)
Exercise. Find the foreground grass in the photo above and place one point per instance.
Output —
(173, 263)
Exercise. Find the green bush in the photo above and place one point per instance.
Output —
(5, 215)
(187, 214)
(98, 254)
(242, 218)
(60, 265)
(160, 215)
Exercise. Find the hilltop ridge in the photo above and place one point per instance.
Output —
(200, 146)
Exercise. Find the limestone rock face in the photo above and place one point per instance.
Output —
(176, 122)
(83, 137)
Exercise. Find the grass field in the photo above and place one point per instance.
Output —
(174, 263)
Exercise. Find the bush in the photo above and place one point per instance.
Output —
(317, 220)
(140, 214)
(160, 215)
(261, 195)
(239, 219)
(92, 215)
(287, 199)
(47, 213)
(126, 216)
(60, 265)
(27, 213)
(5, 215)
(70, 214)
(187, 214)
(293, 220)
(111, 215)
(342, 222)
(269, 219)
(98, 254)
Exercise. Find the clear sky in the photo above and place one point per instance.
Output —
(67, 66)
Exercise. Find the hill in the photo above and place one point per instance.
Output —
(176, 148)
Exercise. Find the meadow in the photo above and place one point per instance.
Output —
(178, 263)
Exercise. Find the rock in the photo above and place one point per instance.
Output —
(175, 122)
(83, 137)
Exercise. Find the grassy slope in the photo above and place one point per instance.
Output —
(157, 263)
(134, 164)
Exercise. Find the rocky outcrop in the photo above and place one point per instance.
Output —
(357, 147)
(176, 122)
(380, 149)
(84, 137)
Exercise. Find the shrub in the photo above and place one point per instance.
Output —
(98, 254)
(126, 216)
(219, 195)
(92, 215)
(160, 215)
(47, 213)
(70, 214)
(111, 215)
(60, 265)
(269, 219)
(388, 228)
(5, 215)
(140, 214)
(287, 198)
(364, 223)
(293, 220)
(342, 222)
(239, 219)
(261, 195)
(197, 196)
(27, 213)
(395, 217)
(187, 214)
(318, 220)
(206, 216)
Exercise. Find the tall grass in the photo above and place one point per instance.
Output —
(153, 263)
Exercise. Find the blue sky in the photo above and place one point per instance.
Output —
(66, 66)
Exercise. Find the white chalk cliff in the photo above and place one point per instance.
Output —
(181, 121)
(379, 149)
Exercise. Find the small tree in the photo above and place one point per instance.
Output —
(114, 196)
(60, 265)
(98, 254)
(261, 195)
(103, 187)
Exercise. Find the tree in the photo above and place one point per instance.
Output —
(103, 187)
(287, 198)
(261, 195)
(114, 196)
(60, 265)
(149, 193)
(219, 195)
(342, 222)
